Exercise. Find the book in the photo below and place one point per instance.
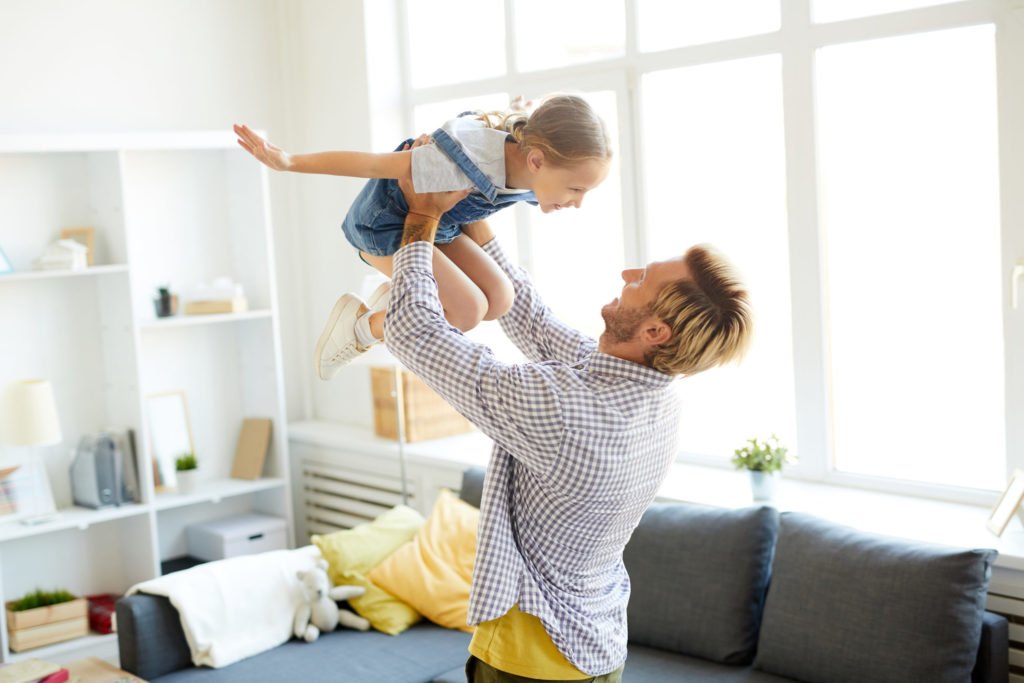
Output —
(57, 677)
(252, 448)
(28, 671)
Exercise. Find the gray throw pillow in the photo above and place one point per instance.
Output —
(846, 606)
(698, 577)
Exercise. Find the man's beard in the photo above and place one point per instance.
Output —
(622, 324)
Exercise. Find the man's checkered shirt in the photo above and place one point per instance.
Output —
(582, 441)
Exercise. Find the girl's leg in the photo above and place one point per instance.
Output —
(472, 260)
(463, 301)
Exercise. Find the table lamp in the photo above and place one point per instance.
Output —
(30, 420)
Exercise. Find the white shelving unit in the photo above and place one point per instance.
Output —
(168, 209)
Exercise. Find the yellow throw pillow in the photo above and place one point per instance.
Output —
(434, 572)
(352, 553)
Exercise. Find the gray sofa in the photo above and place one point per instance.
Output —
(842, 606)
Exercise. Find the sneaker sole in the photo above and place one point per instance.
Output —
(341, 306)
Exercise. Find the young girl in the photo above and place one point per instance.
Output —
(550, 158)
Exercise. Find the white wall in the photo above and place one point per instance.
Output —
(295, 68)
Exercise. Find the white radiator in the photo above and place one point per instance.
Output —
(337, 497)
(1013, 609)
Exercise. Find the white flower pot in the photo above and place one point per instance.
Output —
(762, 485)
(187, 480)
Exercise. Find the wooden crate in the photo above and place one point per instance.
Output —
(47, 625)
(427, 415)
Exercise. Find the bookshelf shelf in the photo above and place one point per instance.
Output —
(200, 320)
(69, 518)
(92, 642)
(35, 275)
(215, 491)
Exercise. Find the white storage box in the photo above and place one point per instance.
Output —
(233, 536)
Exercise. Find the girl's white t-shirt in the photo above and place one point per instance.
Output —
(433, 171)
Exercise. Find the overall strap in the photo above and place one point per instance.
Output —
(454, 152)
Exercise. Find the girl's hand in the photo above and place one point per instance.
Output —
(273, 157)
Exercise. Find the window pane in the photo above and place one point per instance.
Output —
(666, 24)
(552, 34)
(439, 54)
(715, 172)
(837, 10)
(576, 254)
(910, 212)
(428, 117)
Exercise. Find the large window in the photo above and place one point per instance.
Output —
(847, 157)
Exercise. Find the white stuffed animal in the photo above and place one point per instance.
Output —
(319, 613)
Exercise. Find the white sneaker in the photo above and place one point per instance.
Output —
(378, 301)
(337, 346)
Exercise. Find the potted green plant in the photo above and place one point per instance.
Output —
(764, 460)
(186, 469)
(45, 617)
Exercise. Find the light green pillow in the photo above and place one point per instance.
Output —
(352, 553)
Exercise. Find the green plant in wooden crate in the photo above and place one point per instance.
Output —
(186, 462)
(41, 598)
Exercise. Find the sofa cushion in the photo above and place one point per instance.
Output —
(848, 606)
(352, 553)
(473, 485)
(418, 655)
(707, 563)
(433, 573)
(651, 665)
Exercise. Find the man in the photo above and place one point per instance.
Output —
(584, 434)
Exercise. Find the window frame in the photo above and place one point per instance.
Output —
(797, 42)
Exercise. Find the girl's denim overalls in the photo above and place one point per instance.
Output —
(376, 220)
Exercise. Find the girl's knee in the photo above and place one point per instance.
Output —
(499, 300)
(467, 314)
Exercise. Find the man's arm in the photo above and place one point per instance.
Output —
(530, 324)
(516, 405)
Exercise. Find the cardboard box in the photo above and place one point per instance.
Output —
(47, 625)
(212, 307)
(427, 415)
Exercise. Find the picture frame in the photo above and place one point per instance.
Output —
(27, 493)
(1008, 504)
(85, 236)
(5, 264)
(170, 435)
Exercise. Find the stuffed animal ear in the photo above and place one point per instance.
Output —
(322, 564)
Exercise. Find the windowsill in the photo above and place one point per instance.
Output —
(913, 518)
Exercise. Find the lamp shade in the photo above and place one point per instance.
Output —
(30, 414)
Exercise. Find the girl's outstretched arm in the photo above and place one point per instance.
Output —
(349, 164)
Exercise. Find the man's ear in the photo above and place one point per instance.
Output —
(534, 160)
(655, 331)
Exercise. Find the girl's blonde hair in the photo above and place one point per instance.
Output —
(709, 313)
(564, 127)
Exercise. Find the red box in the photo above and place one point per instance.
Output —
(102, 617)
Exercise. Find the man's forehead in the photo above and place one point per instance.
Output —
(674, 268)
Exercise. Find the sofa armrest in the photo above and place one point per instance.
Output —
(149, 636)
(993, 665)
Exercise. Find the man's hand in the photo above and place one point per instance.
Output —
(274, 157)
(426, 209)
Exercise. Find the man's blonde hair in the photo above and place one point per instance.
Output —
(709, 314)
